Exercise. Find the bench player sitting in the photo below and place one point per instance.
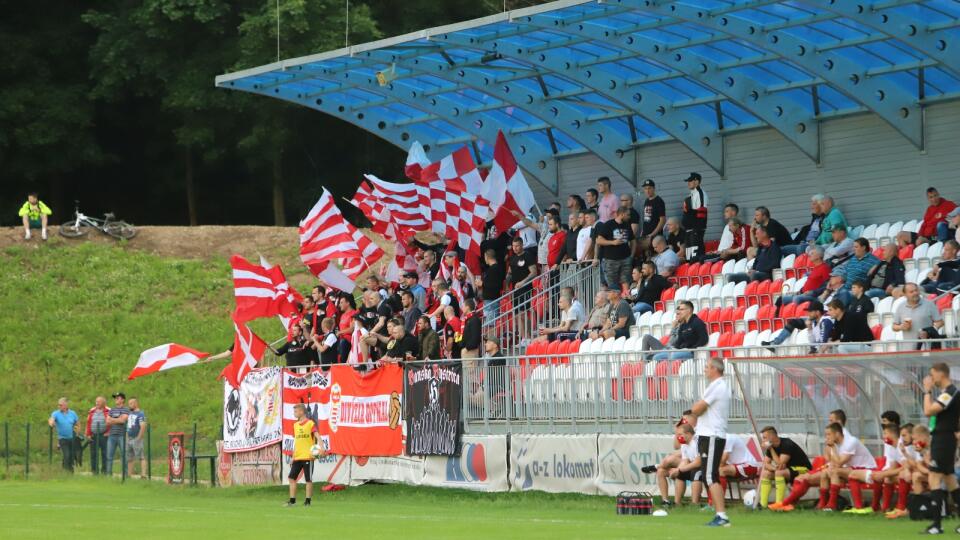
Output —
(689, 468)
(737, 462)
(905, 479)
(921, 467)
(670, 461)
(783, 462)
(882, 480)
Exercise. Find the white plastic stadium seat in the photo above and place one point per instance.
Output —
(728, 295)
(921, 251)
(883, 231)
(870, 232)
(895, 230)
(597, 346)
(728, 267)
(935, 251)
(912, 275)
(585, 346)
(740, 267)
(800, 283)
(716, 295)
(911, 226)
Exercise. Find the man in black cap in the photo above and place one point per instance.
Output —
(412, 283)
(117, 424)
(653, 218)
(820, 328)
(694, 218)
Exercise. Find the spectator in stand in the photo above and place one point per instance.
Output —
(953, 219)
(647, 287)
(607, 202)
(429, 340)
(34, 215)
(374, 284)
(585, 236)
(626, 201)
(410, 312)
(832, 219)
(451, 334)
(887, 276)
(841, 249)
(97, 433)
(472, 335)
(834, 289)
(117, 422)
(689, 332)
(945, 275)
(914, 316)
(734, 242)
(491, 285)
(379, 343)
(730, 211)
(621, 316)
(65, 420)
(857, 267)
(571, 238)
(298, 350)
(766, 261)
(371, 319)
(820, 328)
(850, 330)
(403, 346)
(618, 241)
(348, 313)
(654, 216)
(817, 277)
(312, 315)
(779, 233)
(935, 227)
(676, 237)
(598, 315)
(575, 203)
(523, 270)
(445, 299)
(427, 268)
(859, 302)
(666, 259)
(592, 199)
(571, 318)
(555, 248)
(808, 234)
(325, 343)
(466, 287)
(136, 428)
(783, 462)
(694, 218)
(417, 290)
(546, 234)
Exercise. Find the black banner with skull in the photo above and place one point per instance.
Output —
(433, 396)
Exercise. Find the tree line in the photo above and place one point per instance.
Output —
(113, 103)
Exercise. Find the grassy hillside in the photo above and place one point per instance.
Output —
(75, 317)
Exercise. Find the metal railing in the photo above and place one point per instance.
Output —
(629, 392)
(516, 326)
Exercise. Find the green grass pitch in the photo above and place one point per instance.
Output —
(101, 509)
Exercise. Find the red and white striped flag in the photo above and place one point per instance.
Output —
(507, 189)
(248, 349)
(405, 202)
(261, 291)
(165, 357)
(326, 236)
(416, 161)
(356, 355)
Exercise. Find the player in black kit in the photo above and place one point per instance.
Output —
(941, 404)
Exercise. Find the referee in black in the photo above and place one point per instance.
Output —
(940, 403)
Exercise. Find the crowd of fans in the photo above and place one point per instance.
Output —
(914, 475)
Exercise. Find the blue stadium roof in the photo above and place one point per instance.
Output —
(580, 76)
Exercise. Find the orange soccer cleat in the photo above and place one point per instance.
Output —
(776, 507)
(787, 508)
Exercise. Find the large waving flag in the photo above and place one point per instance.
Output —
(248, 349)
(165, 357)
(326, 236)
(261, 291)
(403, 201)
(416, 161)
(507, 189)
(458, 166)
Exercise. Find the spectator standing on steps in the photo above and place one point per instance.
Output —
(607, 202)
(653, 218)
(694, 218)
(65, 420)
(117, 422)
(618, 241)
(97, 432)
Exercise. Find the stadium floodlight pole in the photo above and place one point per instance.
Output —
(746, 404)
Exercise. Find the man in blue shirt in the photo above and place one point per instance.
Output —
(65, 420)
(117, 425)
(136, 428)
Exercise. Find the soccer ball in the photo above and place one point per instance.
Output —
(660, 513)
(750, 499)
(316, 450)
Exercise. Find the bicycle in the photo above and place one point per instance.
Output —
(109, 225)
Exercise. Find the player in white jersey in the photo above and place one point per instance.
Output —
(910, 456)
(920, 467)
(737, 461)
(689, 468)
(882, 480)
(844, 455)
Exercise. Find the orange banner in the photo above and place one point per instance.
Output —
(366, 411)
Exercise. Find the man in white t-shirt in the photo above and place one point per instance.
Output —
(882, 481)
(689, 468)
(712, 412)
(571, 318)
(584, 236)
(844, 455)
(737, 462)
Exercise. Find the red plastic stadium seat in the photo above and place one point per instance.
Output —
(765, 316)
(573, 346)
(553, 349)
(668, 294)
(711, 245)
(713, 319)
(945, 302)
(774, 290)
(706, 273)
(681, 274)
(693, 274)
(737, 340)
(787, 312)
(877, 331)
(750, 293)
(717, 268)
(628, 376)
(702, 315)
(726, 319)
(906, 252)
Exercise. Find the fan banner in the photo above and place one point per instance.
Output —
(365, 411)
(432, 402)
(251, 413)
(312, 389)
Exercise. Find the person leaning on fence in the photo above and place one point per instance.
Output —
(65, 420)
(97, 432)
(915, 315)
(117, 422)
(305, 435)
(712, 412)
(136, 428)
(689, 332)
(34, 215)
(941, 404)
(783, 462)
(429, 340)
